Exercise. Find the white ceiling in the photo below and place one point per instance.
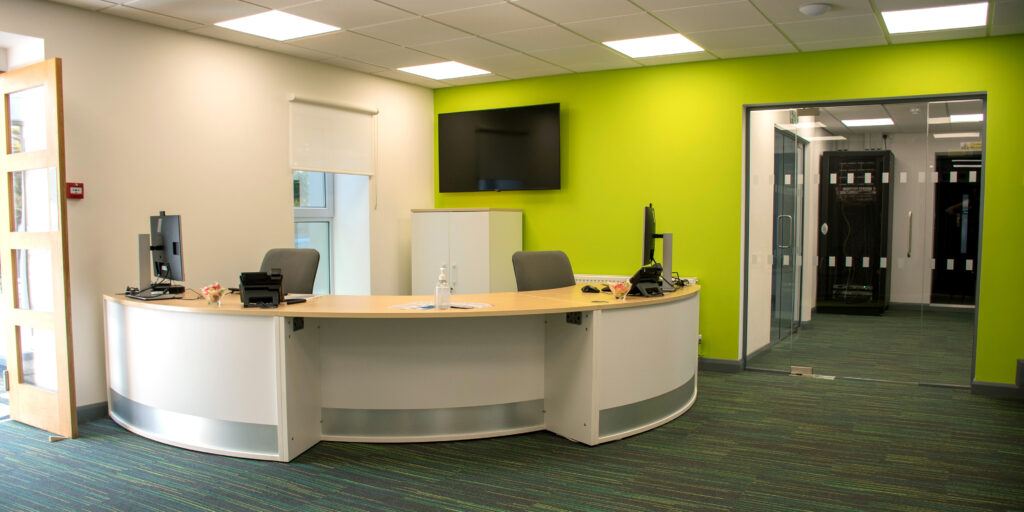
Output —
(527, 38)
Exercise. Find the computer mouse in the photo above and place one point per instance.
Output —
(589, 289)
(605, 288)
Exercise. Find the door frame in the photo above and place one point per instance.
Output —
(745, 177)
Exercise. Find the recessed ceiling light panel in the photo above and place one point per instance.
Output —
(966, 118)
(653, 46)
(881, 121)
(445, 70)
(936, 18)
(957, 135)
(277, 25)
(826, 137)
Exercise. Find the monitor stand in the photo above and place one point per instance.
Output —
(144, 272)
(666, 263)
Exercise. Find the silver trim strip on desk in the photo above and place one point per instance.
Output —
(630, 416)
(432, 422)
(195, 430)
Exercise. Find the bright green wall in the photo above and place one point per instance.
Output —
(673, 135)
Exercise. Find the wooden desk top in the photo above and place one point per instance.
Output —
(557, 300)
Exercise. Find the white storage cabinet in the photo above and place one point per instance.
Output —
(475, 244)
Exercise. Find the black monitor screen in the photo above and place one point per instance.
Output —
(514, 148)
(165, 244)
(649, 235)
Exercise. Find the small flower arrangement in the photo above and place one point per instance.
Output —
(213, 293)
(620, 290)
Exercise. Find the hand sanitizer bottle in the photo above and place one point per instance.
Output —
(443, 291)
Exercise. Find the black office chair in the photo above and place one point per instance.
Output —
(541, 270)
(298, 267)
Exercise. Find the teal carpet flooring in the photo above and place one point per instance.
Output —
(753, 441)
(902, 345)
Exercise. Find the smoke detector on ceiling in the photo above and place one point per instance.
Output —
(815, 9)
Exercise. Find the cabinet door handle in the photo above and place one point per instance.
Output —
(910, 232)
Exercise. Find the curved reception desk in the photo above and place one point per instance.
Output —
(271, 383)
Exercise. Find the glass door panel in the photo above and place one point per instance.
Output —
(38, 358)
(27, 128)
(787, 235)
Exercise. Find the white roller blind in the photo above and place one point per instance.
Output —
(332, 139)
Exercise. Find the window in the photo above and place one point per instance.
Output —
(333, 156)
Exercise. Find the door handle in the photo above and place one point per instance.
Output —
(778, 227)
(910, 232)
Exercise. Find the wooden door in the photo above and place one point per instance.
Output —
(33, 251)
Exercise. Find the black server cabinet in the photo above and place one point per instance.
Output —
(955, 241)
(855, 223)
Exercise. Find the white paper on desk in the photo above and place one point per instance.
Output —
(414, 305)
(306, 296)
(471, 305)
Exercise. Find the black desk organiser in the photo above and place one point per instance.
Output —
(647, 281)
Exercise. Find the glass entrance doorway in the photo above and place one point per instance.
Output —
(862, 236)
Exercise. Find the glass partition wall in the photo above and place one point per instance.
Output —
(863, 222)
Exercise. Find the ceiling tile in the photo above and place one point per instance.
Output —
(411, 32)
(151, 17)
(491, 19)
(938, 35)
(827, 29)
(836, 44)
(295, 51)
(786, 11)
(620, 27)
(565, 11)
(591, 57)
(517, 65)
(675, 59)
(349, 13)
(92, 5)
(425, 8)
(747, 37)
(354, 65)
(230, 35)
(200, 11)
(479, 79)
(660, 5)
(1007, 17)
(546, 37)
(410, 78)
(465, 48)
(900, 5)
(713, 17)
(281, 4)
(365, 49)
(730, 53)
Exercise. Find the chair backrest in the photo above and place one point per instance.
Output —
(298, 267)
(541, 270)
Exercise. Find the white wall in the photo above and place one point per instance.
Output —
(762, 201)
(157, 119)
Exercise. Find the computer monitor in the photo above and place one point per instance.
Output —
(649, 236)
(165, 245)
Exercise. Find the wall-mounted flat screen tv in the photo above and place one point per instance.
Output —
(515, 148)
